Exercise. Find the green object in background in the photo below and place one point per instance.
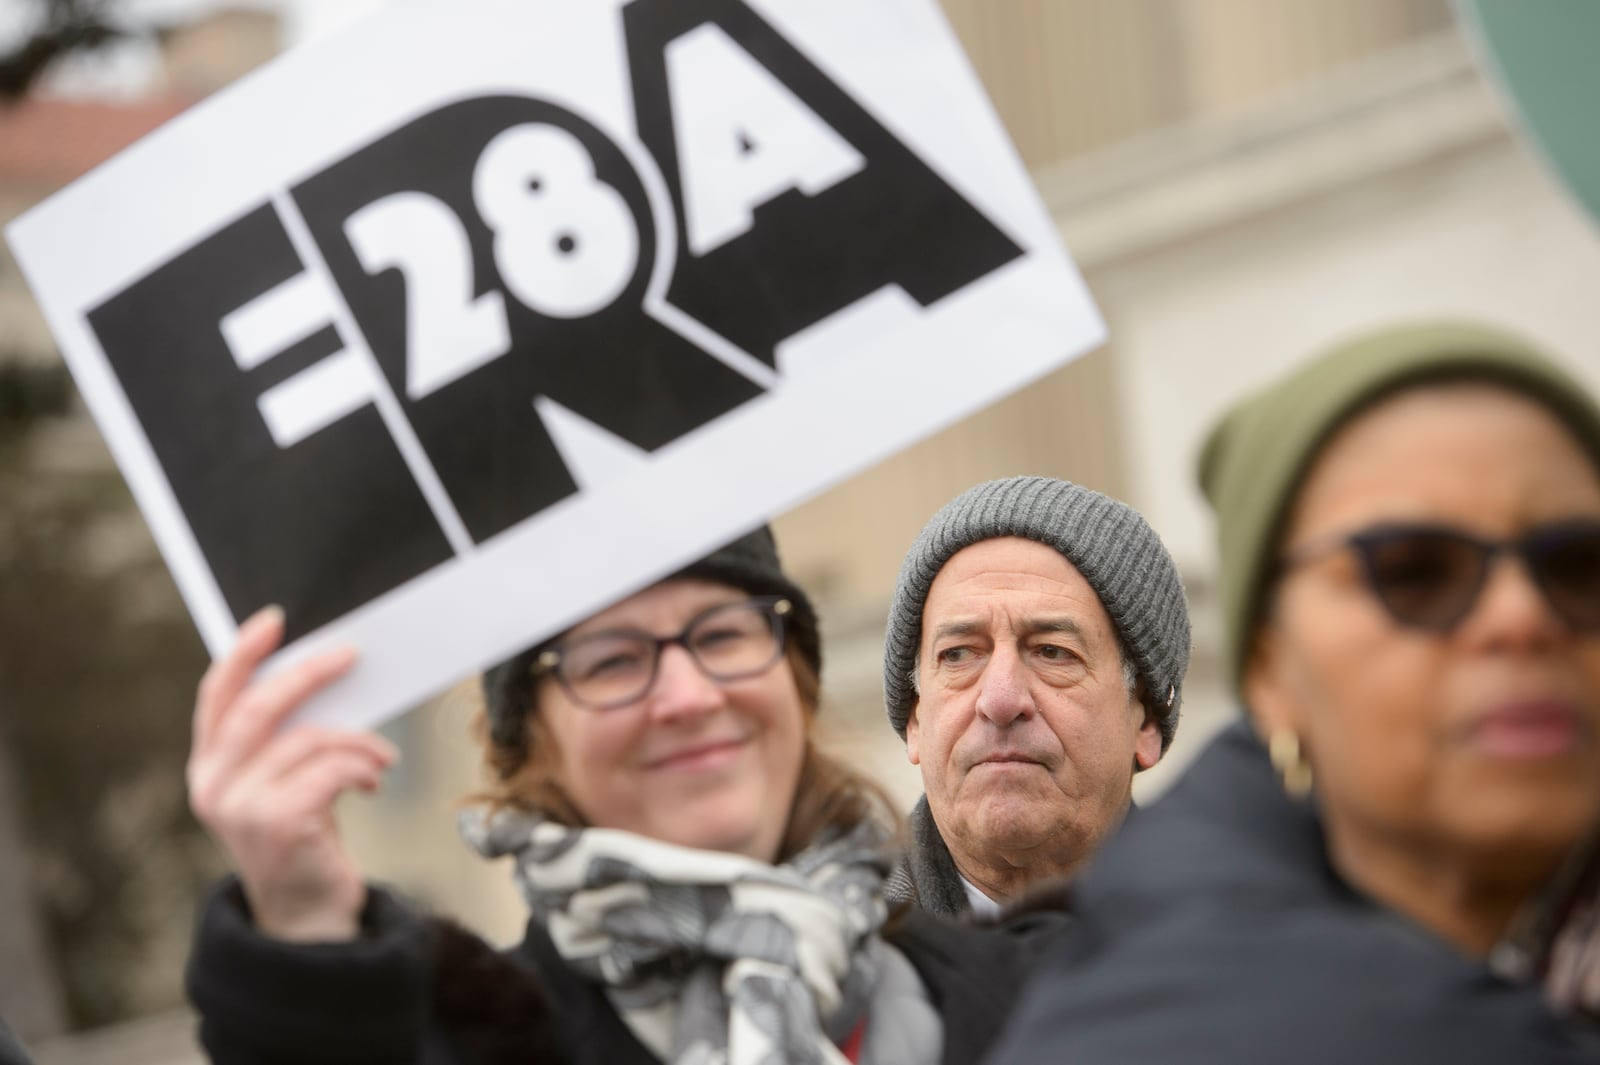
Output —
(1544, 54)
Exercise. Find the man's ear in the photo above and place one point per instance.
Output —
(1147, 745)
(913, 755)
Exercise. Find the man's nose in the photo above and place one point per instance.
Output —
(1003, 691)
(681, 687)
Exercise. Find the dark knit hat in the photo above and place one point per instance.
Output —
(1255, 458)
(1108, 542)
(749, 563)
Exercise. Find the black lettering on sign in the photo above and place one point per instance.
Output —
(793, 201)
(294, 499)
(495, 251)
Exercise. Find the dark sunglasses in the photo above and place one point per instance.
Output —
(1430, 576)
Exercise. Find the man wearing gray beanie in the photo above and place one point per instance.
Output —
(1034, 662)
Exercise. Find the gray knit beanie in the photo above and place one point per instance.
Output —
(1108, 542)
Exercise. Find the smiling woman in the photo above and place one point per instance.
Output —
(704, 884)
(619, 749)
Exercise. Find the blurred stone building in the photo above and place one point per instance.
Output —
(1241, 181)
(99, 861)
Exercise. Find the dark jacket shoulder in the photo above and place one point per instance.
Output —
(974, 972)
(1213, 930)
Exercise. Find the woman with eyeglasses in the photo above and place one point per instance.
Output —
(704, 884)
(1391, 859)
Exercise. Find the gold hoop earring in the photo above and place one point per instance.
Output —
(1287, 757)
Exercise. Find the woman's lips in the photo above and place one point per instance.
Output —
(1529, 728)
(701, 756)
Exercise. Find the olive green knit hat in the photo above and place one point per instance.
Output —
(1254, 459)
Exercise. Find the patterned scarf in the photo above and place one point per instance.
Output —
(710, 958)
(927, 876)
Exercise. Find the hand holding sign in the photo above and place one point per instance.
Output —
(594, 288)
(267, 795)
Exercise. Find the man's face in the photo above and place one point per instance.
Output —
(1025, 730)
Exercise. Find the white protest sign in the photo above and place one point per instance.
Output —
(446, 332)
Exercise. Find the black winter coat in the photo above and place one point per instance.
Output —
(1213, 931)
(421, 991)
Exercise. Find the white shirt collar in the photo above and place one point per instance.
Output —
(982, 905)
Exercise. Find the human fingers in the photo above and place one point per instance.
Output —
(313, 784)
(264, 828)
(256, 713)
(285, 844)
(227, 676)
(301, 882)
(217, 800)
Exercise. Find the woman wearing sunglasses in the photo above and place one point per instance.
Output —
(705, 885)
(1390, 861)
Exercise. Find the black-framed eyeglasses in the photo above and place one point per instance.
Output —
(727, 642)
(1430, 576)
